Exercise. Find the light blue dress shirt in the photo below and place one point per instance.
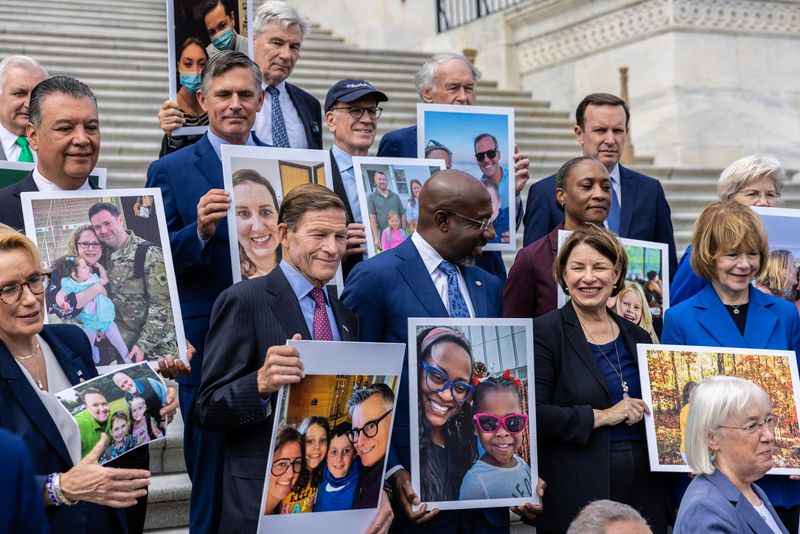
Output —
(217, 142)
(345, 163)
(302, 286)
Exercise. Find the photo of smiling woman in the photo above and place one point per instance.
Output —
(256, 208)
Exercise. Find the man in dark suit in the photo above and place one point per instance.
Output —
(419, 278)
(18, 76)
(20, 498)
(449, 78)
(247, 358)
(64, 130)
(639, 208)
(195, 202)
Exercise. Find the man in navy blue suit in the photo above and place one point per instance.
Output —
(417, 279)
(449, 78)
(639, 208)
(195, 203)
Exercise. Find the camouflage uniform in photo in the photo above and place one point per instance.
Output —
(139, 289)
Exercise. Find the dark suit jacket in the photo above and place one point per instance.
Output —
(202, 273)
(310, 114)
(645, 212)
(248, 318)
(11, 204)
(574, 457)
(25, 415)
(21, 508)
(338, 187)
(531, 290)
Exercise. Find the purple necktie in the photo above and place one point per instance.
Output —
(322, 326)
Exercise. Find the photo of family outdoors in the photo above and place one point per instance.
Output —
(478, 141)
(388, 195)
(473, 434)
(331, 436)
(110, 271)
(125, 405)
(670, 373)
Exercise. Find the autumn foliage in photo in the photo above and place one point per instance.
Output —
(670, 371)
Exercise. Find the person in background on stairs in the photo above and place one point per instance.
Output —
(18, 76)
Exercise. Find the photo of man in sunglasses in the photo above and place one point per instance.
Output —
(494, 176)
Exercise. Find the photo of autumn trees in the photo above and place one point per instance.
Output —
(674, 373)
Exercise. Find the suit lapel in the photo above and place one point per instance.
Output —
(477, 292)
(284, 302)
(715, 320)
(347, 330)
(303, 112)
(413, 271)
(628, 200)
(577, 340)
(338, 187)
(761, 321)
(208, 163)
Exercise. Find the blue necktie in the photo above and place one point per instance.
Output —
(455, 300)
(279, 136)
(613, 213)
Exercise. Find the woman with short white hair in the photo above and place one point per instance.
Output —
(729, 443)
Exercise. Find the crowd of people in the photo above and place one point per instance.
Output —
(589, 408)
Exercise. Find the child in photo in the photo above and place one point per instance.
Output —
(340, 475)
(98, 315)
(121, 440)
(499, 424)
(632, 305)
(142, 428)
(392, 235)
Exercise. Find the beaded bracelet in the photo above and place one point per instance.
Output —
(60, 494)
(50, 491)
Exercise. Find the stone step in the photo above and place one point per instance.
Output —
(168, 501)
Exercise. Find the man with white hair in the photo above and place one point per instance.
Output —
(609, 517)
(18, 76)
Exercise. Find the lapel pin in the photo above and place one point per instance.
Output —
(477, 282)
(344, 327)
(80, 373)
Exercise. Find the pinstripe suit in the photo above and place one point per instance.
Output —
(247, 319)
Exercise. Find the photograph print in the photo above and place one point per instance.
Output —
(388, 195)
(330, 438)
(124, 404)
(478, 140)
(780, 276)
(111, 272)
(669, 374)
(473, 431)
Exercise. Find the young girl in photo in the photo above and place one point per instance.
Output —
(632, 305)
(392, 235)
(121, 440)
(98, 315)
(142, 428)
(499, 425)
(340, 475)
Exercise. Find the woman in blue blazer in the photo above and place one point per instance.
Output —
(729, 250)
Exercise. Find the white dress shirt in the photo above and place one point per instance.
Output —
(43, 184)
(432, 259)
(8, 142)
(294, 126)
(615, 183)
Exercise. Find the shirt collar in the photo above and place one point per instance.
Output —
(217, 142)
(615, 174)
(280, 87)
(43, 184)
(429, 256)
(7, 140)
(343, 160)
(301, 286)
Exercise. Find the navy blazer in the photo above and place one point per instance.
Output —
(310, 113)
(21, 508)
(645, 212)
(713, 504)
(11, 203)
(25, 415)
(202, 273)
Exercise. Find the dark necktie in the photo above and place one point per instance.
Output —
(322, 326)
(279, 136)
(455, 300)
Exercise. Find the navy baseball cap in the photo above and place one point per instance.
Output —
(350, 91)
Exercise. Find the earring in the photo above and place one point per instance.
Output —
(712, 456)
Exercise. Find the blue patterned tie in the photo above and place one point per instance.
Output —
(279, 136)
(613, 212)
(455, 300)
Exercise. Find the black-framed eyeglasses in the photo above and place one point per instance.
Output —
(483, 224)
(491, 153)
(370, 429)
(37, 283)
(754, 427)
(89, 244)
(437, 380)
(357, 111)
(281, 465)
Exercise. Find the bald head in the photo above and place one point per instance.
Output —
(451, 205)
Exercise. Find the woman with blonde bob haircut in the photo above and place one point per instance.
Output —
(750, 181)
(729, 442)
(780, 275)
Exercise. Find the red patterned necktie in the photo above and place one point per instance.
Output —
(322, 326)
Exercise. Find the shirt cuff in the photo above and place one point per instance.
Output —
(203, 242)
(391, 471)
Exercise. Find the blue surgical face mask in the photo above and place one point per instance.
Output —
(191, 82)
(223, 40)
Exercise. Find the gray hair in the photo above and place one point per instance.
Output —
(423, 79)
(281, 12)
(749, 169)
(23, 62)
(716, 400)
(360, 395)
(57, 84)
(599, 515)
(220, 63)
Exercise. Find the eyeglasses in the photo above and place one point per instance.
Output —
(483, 224)
(37, 283)
(754, 427)
(89, 244)
(370, 429)
(490, 423)
(281, 465)
(491, 153)
(357, 111)
(437, 380)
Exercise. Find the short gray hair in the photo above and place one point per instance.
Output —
(749, 169)
(599, 515)
(281, 12)
(716, 400)
(64, 85)
(360, 395)
(220, 63)
(425, 75)
(23, 62)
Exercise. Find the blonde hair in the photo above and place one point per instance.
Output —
(603, 242)
(646, 322)
(747, 170)
(11, 239)
(723, 227)
(773, 276)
